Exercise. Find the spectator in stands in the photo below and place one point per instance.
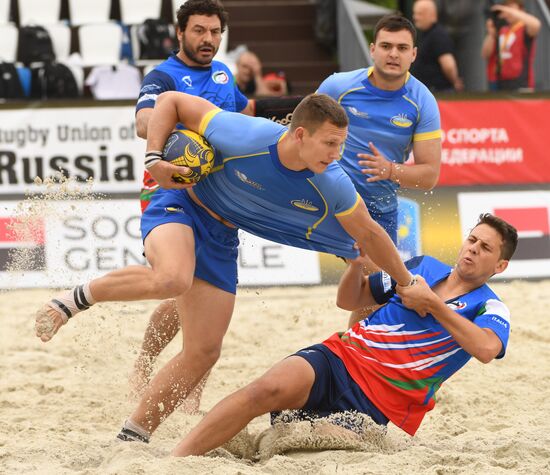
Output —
(251, 81)
(435, 64)
(509, 46)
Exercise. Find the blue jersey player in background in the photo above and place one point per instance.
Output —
(280, 184)
(390, 113)
(192, 69)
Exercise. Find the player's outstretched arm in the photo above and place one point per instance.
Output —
(285, 386)
(170, 109)
(354, 290)
(373, 240)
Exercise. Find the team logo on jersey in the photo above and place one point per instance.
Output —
(148, 97)
(149, 88)
(220, 77)
(187, 80)
(401, 120)
(171, 209)
(358, 113)
(457, 305)
(241, 176)
(304, 204)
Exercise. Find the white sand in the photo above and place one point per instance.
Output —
(62, 403)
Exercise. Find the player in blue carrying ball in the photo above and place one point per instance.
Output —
(277, 183)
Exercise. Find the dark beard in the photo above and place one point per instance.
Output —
(194, 57)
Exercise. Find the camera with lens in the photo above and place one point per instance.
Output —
(497, 21)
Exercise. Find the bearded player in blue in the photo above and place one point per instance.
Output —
(279, 184)
(390, 113)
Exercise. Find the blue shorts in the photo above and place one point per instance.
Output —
(216, 245)
(387, 220)
(334, 390)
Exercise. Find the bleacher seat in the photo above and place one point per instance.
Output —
(89, 11)
(8, 45)
(4, 12)
(100, 43)
(60, 34)
(39, 12)
(133, 12)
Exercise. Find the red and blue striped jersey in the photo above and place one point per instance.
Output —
(400, 359)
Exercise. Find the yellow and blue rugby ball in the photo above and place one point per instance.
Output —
(189, 149)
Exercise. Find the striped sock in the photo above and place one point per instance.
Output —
(73, 301)
(132, 432)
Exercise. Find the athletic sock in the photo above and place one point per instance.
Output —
(132, 432)
(73, 301)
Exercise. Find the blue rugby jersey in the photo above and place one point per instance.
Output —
(252, 189)
(391, 120)
(214, 83)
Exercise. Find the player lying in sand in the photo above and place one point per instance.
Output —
(390, 365)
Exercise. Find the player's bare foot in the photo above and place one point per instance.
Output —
(56, 313)
(48, 322)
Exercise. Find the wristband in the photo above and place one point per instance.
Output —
(152, 158)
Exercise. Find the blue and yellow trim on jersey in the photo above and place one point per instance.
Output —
(206, 120)
(350, 210)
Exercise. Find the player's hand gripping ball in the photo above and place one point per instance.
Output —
(189, 149)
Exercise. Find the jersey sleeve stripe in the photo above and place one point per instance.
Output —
(350, 210)
(496, 307)
(436, 134)
(206, 120)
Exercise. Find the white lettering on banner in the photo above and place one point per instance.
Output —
(469, 156)
(96, 143)
(475, 136)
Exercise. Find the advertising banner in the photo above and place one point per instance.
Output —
(63, 243)
(494, 142)
(87, 143)
(529, 213)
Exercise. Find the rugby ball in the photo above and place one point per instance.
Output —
(189, 149)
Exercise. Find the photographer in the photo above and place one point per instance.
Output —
(509, 46)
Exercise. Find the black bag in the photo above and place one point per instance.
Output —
(10, 85)
(53, 81)
(157, 39)
(35, 45)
